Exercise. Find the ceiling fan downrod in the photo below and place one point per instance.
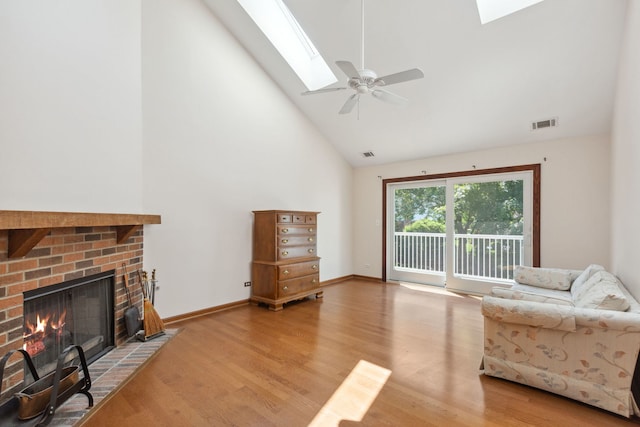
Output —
(362, 38)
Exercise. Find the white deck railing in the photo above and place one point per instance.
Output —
(420, 251)
(476, 255)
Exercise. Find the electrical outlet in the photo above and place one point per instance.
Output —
(246, 284)
(367, 265)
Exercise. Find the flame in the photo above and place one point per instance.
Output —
(34, 333)
(59, 325)
(39, 326)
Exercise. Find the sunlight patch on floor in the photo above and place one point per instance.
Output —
(354, 397)
(430, 289)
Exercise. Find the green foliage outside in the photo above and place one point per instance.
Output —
(426, 225)
(480, 208)
(489, 208)
(413, 204)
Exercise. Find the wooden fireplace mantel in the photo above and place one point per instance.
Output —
(28, 228)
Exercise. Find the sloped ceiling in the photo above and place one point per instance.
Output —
(483, 85)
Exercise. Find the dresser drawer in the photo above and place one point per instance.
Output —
(287, 230)
(294, 286)
(291, 271)
(296, 240)
(284, 218)
(304, 219)
(296, 252)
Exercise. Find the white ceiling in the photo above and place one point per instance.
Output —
(483, 85)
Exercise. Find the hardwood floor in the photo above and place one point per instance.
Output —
(252, 367)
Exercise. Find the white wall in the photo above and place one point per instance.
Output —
(574, 198)
(70, 119)
(221, 140)
(625, 187)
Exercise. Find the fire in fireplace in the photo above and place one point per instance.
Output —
(35, 334)
(77, 312)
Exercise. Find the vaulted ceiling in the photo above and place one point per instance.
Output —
(483, 84)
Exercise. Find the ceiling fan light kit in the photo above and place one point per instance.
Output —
(365, 81)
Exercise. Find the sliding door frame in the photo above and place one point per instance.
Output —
(535, 234)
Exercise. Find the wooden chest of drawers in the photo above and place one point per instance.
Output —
(286, 265)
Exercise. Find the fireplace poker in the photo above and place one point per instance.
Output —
(145, 283)
(150, 285)
(153, 286)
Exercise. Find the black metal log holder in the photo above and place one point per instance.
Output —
(9, 409)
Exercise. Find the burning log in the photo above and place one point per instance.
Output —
(34, 343)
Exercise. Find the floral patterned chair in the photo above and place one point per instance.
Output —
(576, 334)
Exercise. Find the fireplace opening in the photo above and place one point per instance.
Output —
(76, 312)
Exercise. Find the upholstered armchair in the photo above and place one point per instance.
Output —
(585, 354)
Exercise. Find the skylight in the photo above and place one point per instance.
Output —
(490, 10)
(282, 29)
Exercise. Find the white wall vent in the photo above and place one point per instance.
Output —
(368, 154)
(543, 124)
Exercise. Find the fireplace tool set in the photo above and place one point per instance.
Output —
(36, 404)
(151, 323)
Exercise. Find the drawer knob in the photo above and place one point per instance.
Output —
(285, 272)
(311, 230)
(314, 281)
(314, 267)
(285, 230)
(284, 288)
(310, 251)
(285, 253)
(311, 239)
(285, 240)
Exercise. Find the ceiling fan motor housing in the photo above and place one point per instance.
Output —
(365, 82)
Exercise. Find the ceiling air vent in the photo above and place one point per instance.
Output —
(368, 154)
(542, 124)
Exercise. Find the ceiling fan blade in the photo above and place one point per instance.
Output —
(403, 76)
(389, 97)
(349, 69)
(329, 89)
(348, 106)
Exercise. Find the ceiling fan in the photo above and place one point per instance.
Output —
(366, 81)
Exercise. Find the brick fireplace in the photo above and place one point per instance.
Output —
(59, 255)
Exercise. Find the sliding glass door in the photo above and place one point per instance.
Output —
(466, 232)
(490, 231)
(418, 232)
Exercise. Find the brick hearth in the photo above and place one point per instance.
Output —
(108, 374)
(64, 254)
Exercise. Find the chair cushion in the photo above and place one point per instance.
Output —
(601, 291)
(580, 281)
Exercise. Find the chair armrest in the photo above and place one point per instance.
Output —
(530, 313)
(607, 319)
